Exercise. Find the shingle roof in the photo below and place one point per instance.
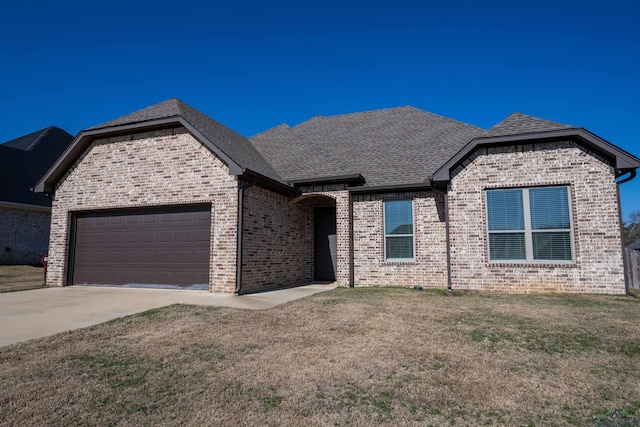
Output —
(231, 143)
(28, 142)
(24, 160)
(388, 147)
(518, 123)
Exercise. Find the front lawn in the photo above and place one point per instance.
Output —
(20, 277)
(347, 357)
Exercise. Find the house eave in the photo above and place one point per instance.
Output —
(622, 160)
(417, 186)
(25, 206)
(269, 183)
(352, 180)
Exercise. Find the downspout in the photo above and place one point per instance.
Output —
(352, 273)
(447, 240)
(239, 233)
(625, 263)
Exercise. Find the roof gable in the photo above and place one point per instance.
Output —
(623, 162)
(234, 149)
(231, 143)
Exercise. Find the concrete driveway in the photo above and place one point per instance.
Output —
(38, 313)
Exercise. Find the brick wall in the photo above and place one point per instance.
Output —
(159, 168)
(24, 235)
(276, 247)
(428, 269)
(598, 264)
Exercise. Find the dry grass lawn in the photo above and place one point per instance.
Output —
(20, 277)
(346, 357)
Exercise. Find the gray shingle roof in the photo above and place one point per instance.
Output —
(24, 160)
(518, 123)
(388, 147)
(234, 145)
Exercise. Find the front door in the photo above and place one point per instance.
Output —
(325, 244)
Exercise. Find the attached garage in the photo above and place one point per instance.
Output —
(159, 247)
(155, 198)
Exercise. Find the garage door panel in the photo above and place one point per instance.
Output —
(98, 237)
(202, 236)
(130, 258)
(184, 236)
(150, 219)
(166, 237)
(116, 237)
(131, 236)
(148, 236)
(97, 257)
(143, 247)
(200, 257)
(165, 257)
(133, 219)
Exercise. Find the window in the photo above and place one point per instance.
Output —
(398, 230)
(529, 225)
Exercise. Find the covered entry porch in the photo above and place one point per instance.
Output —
(328, 236)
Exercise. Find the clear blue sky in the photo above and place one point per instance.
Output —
(253, 65)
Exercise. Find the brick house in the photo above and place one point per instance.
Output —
(24, 215)
(394, 197)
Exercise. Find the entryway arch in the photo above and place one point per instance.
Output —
(322, 231)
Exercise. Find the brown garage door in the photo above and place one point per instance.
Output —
(159, 247)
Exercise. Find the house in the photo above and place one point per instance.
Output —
(24, 215)
(394, 197)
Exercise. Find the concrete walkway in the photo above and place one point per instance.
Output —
(39, 313)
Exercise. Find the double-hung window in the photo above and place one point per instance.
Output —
(398, 230)
(529, 225)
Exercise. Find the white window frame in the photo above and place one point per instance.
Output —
(412, 235)
(528, 231)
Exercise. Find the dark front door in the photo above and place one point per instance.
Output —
(159, 247)
(325, 247)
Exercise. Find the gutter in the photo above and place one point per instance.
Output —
(239, 233)
(447, 238)
(625, 263)
(417, 186)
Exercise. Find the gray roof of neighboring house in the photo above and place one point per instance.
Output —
(24, 160)
(388, 147)
(231, 143)
(635, 245)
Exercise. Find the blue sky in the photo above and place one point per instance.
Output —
(253, 65)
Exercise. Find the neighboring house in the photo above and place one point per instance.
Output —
(394, 197)
(24, 215)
